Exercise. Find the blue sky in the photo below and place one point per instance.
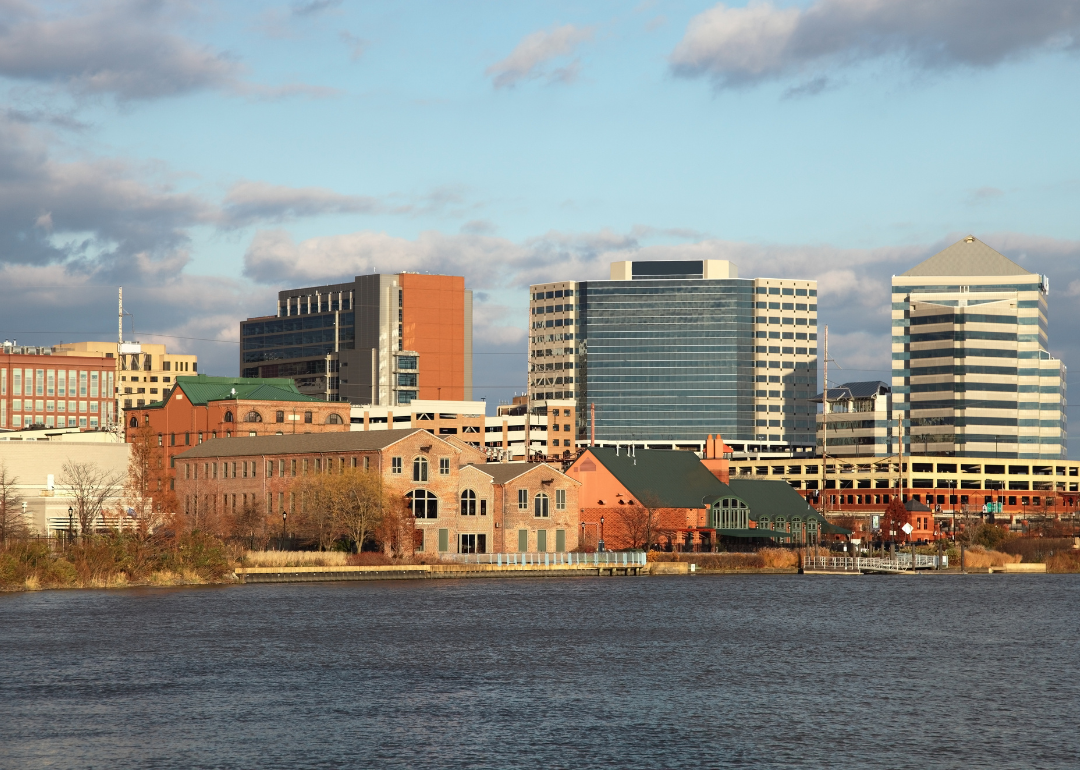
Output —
(206, 155)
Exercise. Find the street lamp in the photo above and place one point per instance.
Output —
(600, 543)
(71, 522)
(284, 517)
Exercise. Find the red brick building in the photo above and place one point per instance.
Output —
(201, 408)
(460, 505)
(37, 388)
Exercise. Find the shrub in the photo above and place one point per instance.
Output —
(1037, 549)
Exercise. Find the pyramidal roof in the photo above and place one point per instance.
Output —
(969, 256)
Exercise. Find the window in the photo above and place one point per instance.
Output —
(134, 422)
(292, 467)
(253, 416)
(279, 416)
(560, 540)
(540, 506)
(424, 504)
(395, 465)
(523, 540)
(523, 499)
(444, 466)
(307, 417)
(334, 419)
(541, 540)
(420, 469)
(472, 543)
(228, 417)
(269, 468)
(468, 503)
(560, 499)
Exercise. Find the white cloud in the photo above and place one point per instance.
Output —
(758, 42)
(536, 50)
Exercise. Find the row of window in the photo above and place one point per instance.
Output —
(244, 469)
(425, 504)
(53, 382)
(49, 421)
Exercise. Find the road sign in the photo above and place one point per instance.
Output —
(908, 529)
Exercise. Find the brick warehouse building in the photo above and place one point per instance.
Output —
(460, 503)
(692, 508)
(201, 408)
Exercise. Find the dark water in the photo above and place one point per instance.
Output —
(757, 671)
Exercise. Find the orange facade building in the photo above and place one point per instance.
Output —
(384, 340)
(40, 389)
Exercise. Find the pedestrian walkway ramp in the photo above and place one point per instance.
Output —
(859, 565)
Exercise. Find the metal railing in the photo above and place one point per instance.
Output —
(606, 558)
(901, 563)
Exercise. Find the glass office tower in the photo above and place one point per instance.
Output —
(667, 353)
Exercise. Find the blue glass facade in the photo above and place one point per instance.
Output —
(667, 359)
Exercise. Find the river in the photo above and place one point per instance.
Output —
(699, 671)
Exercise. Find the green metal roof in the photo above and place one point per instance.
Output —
(677, 479)
(201, 389)
(772, 499)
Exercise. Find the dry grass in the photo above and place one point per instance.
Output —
(296, 559)
(977, 557)
(1065, 561)
(766, 558)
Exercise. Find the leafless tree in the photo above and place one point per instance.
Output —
(359, 503)
(91, 489)
(12, 521)
(397, 530)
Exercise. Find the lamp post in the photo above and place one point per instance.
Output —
(71, 523)
(284, 517)
(600, 542)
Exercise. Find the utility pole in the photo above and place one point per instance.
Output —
(825, 430)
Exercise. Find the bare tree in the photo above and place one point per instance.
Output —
(12, 521)
(397, 530)
(91, 489)
(359, 503)
(315, 517)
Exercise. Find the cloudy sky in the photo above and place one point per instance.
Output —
(205, 155)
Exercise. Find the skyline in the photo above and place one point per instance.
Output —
(207, 158)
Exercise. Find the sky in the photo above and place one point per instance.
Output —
(206, 155)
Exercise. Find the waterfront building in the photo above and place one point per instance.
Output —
(665, 353)
(972, 375)
(47, 390)
(34, 460)
(461, 504)
(200, 408)
(856, 422)
(384, 340)
(689, 506)
(144, 371)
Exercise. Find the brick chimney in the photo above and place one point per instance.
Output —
(717, 457)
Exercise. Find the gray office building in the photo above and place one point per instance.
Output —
(666, 353)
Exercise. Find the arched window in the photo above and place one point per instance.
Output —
(280, 416)
(334, 419)
(253, 416)
(228, 417)
(424, 504)
(468, 503)
(419, 469)
(540, 506)
(134, 422)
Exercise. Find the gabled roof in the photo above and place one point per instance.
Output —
(675, 478)
(969, 256)
(771, 497)
(915, 506)
(502, 473)
(303, 443)
(201, 389)
(851, 390)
